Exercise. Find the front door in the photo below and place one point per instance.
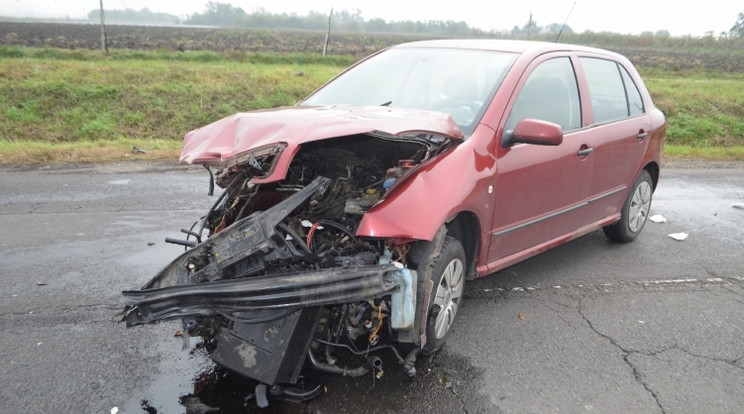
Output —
(541, 190)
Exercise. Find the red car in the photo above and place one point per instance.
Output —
(350, 222)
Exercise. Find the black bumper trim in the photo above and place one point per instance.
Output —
(296, 290)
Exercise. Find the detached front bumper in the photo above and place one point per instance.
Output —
(286, 291)
(272, 317)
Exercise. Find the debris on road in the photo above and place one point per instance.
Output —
(740, 206)
(658, 218)
(679, 236)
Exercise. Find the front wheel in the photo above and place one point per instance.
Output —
(448, 277)
(634, 212)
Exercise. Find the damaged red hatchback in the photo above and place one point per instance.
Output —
(350, 222)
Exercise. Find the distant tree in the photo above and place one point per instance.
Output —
(662, 33)
(377, 25)
(530, 29)
(738, 29)
(218, 14)
(555, 28)
(136, 16)
(349, 21)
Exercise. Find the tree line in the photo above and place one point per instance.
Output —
(136, 16)
(225, 15)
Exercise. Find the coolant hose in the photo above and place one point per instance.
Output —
(333, 369)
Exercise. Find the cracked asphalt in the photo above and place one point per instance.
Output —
(654, 326)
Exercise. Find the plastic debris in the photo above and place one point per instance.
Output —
(115, 410)
(150, 243)
(138, 150)
(679, 236)
(658, 218)
(740, 206)
(40, 283)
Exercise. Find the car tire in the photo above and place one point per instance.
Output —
(634, 213)
(448, 276)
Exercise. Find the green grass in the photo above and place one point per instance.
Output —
(77, 105)
(703, 109)
(34, 152)
(735, 153)
(67, 100)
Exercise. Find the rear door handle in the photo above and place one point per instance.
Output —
(584, 152)
(642, 136)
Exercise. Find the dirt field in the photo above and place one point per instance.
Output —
(88, 36)
(182, 38)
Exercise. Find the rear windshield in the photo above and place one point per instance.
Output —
(456, 81)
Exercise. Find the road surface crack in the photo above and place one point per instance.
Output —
(626, 357)
(739, 296)
(732, 362)
(444, 380)
(558, 312)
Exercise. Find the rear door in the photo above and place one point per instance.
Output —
(620, 130)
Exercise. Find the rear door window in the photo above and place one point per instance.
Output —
(614, 95)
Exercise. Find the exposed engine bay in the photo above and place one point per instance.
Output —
(275, 279)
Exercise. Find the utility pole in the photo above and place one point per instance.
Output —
(104, 43)
(328, 33)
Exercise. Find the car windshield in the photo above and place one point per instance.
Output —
(459, 82)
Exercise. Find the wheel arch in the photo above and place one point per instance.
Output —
(653, 169)
(466, 228)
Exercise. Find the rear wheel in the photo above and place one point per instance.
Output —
(634, 212)
(448, 276)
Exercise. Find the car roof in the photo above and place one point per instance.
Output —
(524, 47)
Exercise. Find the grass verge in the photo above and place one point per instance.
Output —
(30, 152)
(735, 153)
(75, 106)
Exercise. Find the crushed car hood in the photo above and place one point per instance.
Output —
(221, 142)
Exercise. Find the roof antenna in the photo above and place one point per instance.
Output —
(564, 23)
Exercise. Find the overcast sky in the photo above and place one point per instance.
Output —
(627, 16)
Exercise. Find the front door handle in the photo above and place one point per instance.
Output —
(642, 135)
(585, 151)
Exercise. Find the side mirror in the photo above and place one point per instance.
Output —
(533, 131)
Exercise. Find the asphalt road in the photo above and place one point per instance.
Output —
(655, 326)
